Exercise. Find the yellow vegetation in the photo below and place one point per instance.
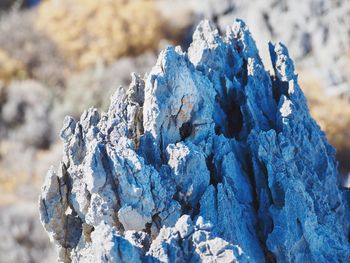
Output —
(88, 30)
(20, 178)
(332, 113)
(10, 68)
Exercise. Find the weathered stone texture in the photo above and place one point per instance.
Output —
(207, 159)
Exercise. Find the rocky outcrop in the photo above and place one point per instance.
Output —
(209, 158)
(318, 38)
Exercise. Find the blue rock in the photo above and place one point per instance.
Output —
(208, 159)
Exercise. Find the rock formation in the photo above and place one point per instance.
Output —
(317, 31)
(207, 159)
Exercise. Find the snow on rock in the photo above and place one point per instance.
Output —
(209, 158)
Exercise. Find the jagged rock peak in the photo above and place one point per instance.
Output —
(207, 159)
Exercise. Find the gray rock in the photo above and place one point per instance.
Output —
(207, 159)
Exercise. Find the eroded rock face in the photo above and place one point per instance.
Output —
(207, 159)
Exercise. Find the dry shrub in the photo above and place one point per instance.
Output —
(26, 52)
(332, 113)
(10, 67)
(25, 115)
(87, 31)
(23, 170)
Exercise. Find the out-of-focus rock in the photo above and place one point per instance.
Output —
(15, 4)
(208, 158)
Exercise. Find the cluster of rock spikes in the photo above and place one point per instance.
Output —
(209, 158)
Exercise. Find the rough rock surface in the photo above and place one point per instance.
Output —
(317, 33)
(209, 158)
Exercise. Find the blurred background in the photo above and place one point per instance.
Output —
(59, 57)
